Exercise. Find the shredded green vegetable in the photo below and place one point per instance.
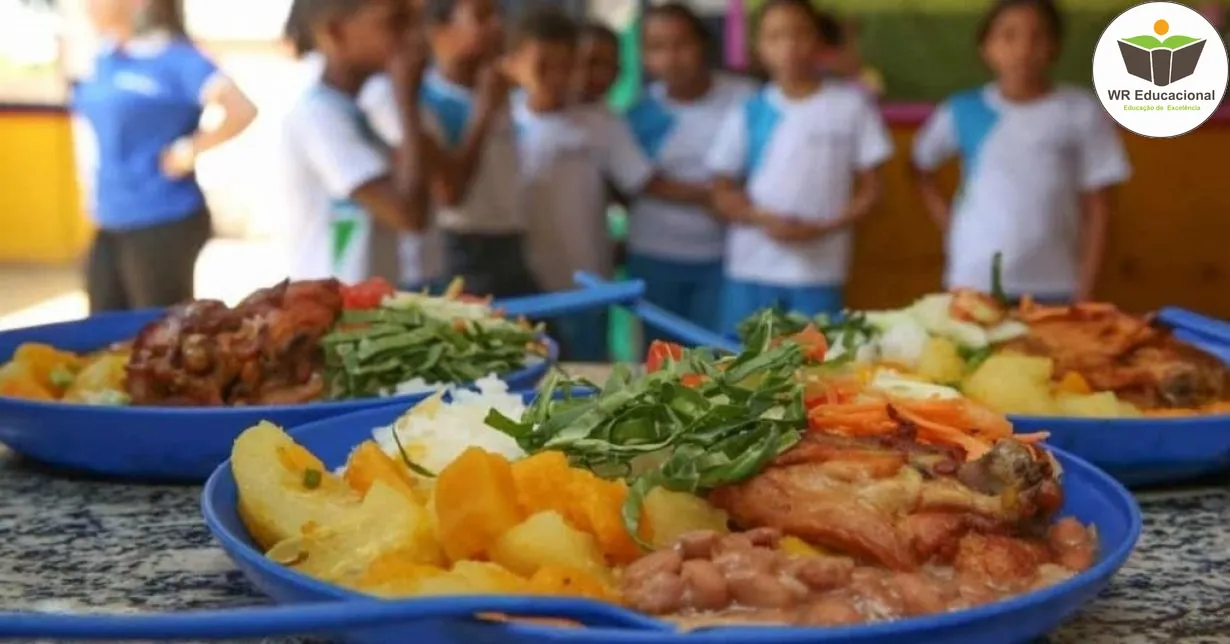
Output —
(850, 331)
(656, 432)
(372, 351)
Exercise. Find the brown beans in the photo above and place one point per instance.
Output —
(764, 537)
(822, 573)
(651, 564)
(706, 587)
(697, 545)
(761, 591)
(832, 610)
(661, 593)
(743, 563)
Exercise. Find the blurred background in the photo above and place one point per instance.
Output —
(1168, 244)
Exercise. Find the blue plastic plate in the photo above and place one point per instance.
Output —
(1146, 451)
(156, 443)
(1091, 496)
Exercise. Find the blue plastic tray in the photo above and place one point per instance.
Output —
(155, 443)
(1091, 496)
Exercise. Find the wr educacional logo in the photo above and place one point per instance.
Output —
(1158, 61)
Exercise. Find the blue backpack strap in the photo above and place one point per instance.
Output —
(973, 118)
(451, 112)
(651, 123)
(762, 117)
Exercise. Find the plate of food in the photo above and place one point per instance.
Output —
(759, 497)
(163, 394)
(1139, 396)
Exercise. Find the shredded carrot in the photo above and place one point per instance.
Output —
(1036, 437)
(954, 422)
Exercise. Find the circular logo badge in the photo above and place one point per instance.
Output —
(1160, 69)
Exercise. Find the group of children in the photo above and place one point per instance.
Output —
(432, 146)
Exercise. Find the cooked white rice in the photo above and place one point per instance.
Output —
(435, 438)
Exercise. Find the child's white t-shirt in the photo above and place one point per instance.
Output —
(327, 152)
(566, 157)
(1025, 167)
(420, 254)
(799, 159)
(677, 137)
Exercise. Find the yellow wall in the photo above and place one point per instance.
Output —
(40, 209)
(1169, 243)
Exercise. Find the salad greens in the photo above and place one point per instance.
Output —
(372, 351)
(697, 424)
(851, 330)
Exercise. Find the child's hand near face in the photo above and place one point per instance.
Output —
(492, 89)
(410, 65)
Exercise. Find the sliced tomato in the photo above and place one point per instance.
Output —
(659, 353)
(814, 344)
(368, 294)
(692, 380)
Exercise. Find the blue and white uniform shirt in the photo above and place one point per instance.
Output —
(677, 138)
(1024, 169)
(567, 157)
(799, 158)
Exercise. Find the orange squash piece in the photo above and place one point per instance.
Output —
(546, 482)
(476, 503)
(44, 360)
(368, 464)
(561, 581)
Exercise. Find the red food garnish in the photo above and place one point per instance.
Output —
(815, 346)
(368, 294)
(659, 353)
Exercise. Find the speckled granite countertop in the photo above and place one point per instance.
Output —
(79, 545)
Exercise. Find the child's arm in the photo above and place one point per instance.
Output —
(728, 161)
(350, 164)
(666, 189)
(1096, 207)
(867, 190)
(456, 168)
(934, 145)
(1103, 165)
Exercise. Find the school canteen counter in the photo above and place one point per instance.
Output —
(1167, 245)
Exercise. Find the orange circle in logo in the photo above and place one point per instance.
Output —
(1161, 27)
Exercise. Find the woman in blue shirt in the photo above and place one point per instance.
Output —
(144, 104)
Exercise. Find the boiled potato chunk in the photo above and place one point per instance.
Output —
(941, 361)
(1013, 384)
(104, 373)
(285, 491)
(546, 539)
(671, 514)
(476, 502)
(416, 580)
(386, 522)
(1100, 405)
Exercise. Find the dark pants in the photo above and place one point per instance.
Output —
(492, 265)
(147, 267)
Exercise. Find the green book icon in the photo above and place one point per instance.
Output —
(1161, 62)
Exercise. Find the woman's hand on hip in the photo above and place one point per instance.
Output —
(179, 159)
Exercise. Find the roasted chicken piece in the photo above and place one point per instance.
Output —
(263, 351)
(896, 503)
(1114, 351)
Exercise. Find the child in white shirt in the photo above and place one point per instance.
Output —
(346, 200)
(797, 165)
(568, 153)
(675, 248)
(1038, 162)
